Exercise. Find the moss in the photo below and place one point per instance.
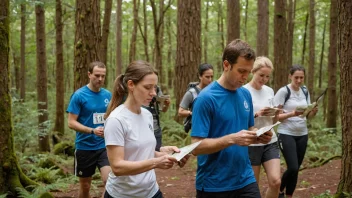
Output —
(64, 148)
(46, 195)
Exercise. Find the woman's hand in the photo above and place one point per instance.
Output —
(164, 162)
(183, 161)
(169, 149)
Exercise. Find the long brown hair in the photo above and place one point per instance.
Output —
(135, 72)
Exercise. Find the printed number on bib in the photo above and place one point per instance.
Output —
(98, 118)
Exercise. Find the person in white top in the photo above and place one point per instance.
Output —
(293, 132)
(267, 155)
(129, 136)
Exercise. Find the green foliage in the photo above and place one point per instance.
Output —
(325, 194)
(3, 196)
(42, 190)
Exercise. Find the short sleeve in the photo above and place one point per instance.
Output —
(186, 100)
(74, 106)
(201, 118)
(114, 132)
(279, 98)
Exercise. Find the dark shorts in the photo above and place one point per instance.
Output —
(261, 154)
(87, 161)
(249, 191)
(157, 195)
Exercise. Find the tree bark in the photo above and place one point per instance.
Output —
(233, 20)
(332, 67)
(59, 127)
(188, 46)
(322, 56)
(220, 24)
(290, 28)
(23, 53)
(206, 29)
(11, 175)
(304, 39)
(311, 48)
(245, 21)
(132, 54)
(263, 28)
(42, 79)
(105, 32)
(280, 45)
(119, 38)
(344, 50)
(87, 39)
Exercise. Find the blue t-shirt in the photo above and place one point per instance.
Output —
(84, 103)
(218, 112)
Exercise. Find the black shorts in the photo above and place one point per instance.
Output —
(249, 191)
(261, 154)
(157, 195)
(86, 161)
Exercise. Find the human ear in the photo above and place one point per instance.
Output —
(130, 85)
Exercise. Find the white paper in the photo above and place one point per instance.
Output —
(263, 130)
(185, 150)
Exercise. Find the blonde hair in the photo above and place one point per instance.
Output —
(260, 62)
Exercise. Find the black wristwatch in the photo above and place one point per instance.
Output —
(92, 132)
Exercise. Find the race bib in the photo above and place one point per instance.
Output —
(98, 118)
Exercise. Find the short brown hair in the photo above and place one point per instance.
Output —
(95, 64)
(235, 49)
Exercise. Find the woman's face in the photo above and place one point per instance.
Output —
(207, 77)
(144, 90)
(297, 78)
(262, 76)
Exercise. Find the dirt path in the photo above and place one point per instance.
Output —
(179, 183)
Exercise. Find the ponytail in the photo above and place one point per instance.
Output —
(118, 94)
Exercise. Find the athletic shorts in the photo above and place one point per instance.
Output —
(157, 195)
(260, 154)
(86, 161)
(249, 191)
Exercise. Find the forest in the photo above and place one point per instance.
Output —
(46, 46)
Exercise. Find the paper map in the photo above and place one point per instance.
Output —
(262, 130)
(185, 150)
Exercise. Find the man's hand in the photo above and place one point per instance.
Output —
(99, 131)
(265, 137)
(245, 137)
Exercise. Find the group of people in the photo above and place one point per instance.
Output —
(120, 132)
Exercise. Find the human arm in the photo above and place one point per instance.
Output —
(184, 109)
(166, 105)
(121, 167)
(167, 150)
(75, 125)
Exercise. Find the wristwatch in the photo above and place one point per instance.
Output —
(92, 132)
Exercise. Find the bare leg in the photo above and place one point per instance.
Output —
(256, 170)
(104, 172)
(272, 169)
(84, 187)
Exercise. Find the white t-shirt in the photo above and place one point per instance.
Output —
(262, 98)
(295, 126)
(135, 133)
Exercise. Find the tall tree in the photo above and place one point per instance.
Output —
(158, 21)
(311, 48)
(280, 45)
(144, 31)
(133, 43)
(344, 49)
(87, 39)
(290, 29)
(206, 30)
(245, 20)
(304, 39)
(42, 78)
(105, 32)
(188, 52)
(11, 175)
(233, 20)
(119, 37)
(220, 24)
(263, 28)
(59, 127)
(332, 67)
(23, 53)
(322, 55)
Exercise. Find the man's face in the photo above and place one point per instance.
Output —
(238, 75)
(97, 77)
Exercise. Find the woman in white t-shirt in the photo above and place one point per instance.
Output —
(129, 136)
(267, 155)
(293, 132)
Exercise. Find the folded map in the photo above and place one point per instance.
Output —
(185, 150)
(265, 129)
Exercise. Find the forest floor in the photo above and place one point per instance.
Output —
(179, 182)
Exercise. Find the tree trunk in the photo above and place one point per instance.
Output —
(87, 39)
(42, 79)
(233, 20)
(344, 49)
(170, 70)
(132, 54)
(119, 38)
(145, 32)
(188, 52)
(311, 48)
(280, 45)
(206, 30)
(16, 63)
(332, 67)
(263, 28)
(304, 39)
(245, 21)
(290, 28)
(220, 24)
(59, 127)
(322, 56)
(105, 32)
(23, 53)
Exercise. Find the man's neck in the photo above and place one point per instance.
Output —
(222, 82)
(90, 86)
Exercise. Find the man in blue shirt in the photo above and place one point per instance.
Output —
(223, 120)
(86, 116)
